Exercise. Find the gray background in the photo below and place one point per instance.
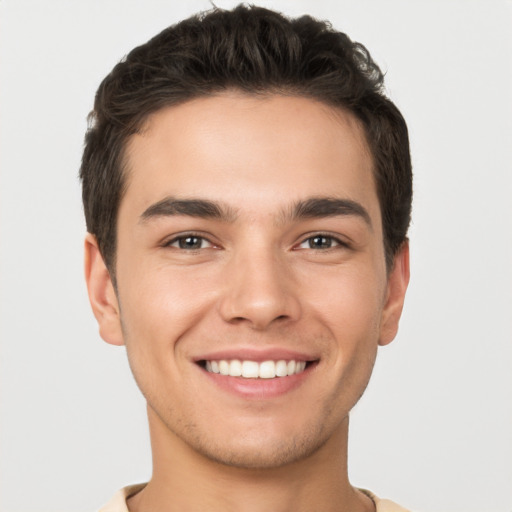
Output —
(434, 429)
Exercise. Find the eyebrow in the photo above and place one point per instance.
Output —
(314, 207)
(201, 208)
(318, 207)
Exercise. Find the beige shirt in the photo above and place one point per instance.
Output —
(118, 501)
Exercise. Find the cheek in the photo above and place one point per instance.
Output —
(351, 310)
(157, 300)
(155, 315)
(349, 302)
(156, 311)
(354, 316)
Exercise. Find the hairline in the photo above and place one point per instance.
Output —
(331, 107)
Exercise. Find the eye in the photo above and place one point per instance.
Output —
(189, 242)
(320, 242)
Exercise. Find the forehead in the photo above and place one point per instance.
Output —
(242, 149)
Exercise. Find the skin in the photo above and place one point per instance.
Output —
(257, 278)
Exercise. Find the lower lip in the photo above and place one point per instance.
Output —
(259, 389)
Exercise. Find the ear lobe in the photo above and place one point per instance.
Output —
(102, 294)
(397, 285)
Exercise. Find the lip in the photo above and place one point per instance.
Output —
(259, 355)
(257, 389)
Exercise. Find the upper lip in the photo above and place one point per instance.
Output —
(256, 354)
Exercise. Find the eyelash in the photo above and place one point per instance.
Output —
(182, 238)
(332, 240)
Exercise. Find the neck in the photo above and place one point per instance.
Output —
(187, 481)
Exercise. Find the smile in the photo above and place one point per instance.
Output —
(254, 369)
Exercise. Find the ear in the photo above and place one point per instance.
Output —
(102, 295)
(398, 280)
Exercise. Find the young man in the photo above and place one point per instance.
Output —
(247, 191)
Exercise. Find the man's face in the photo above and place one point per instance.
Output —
(250, 240)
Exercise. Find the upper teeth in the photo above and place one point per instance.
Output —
(255, 370)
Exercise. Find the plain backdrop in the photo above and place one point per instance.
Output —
(434, 429)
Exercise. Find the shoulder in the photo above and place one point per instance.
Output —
(118, 501)
(383, 505)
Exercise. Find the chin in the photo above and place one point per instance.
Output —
(260, 451)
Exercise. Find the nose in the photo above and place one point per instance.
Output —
(260, 291)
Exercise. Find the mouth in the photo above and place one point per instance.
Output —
(249, 369)
(256, 374)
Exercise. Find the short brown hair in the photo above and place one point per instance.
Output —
(254, 50)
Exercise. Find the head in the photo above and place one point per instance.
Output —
(256, 51)
(248, 186)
